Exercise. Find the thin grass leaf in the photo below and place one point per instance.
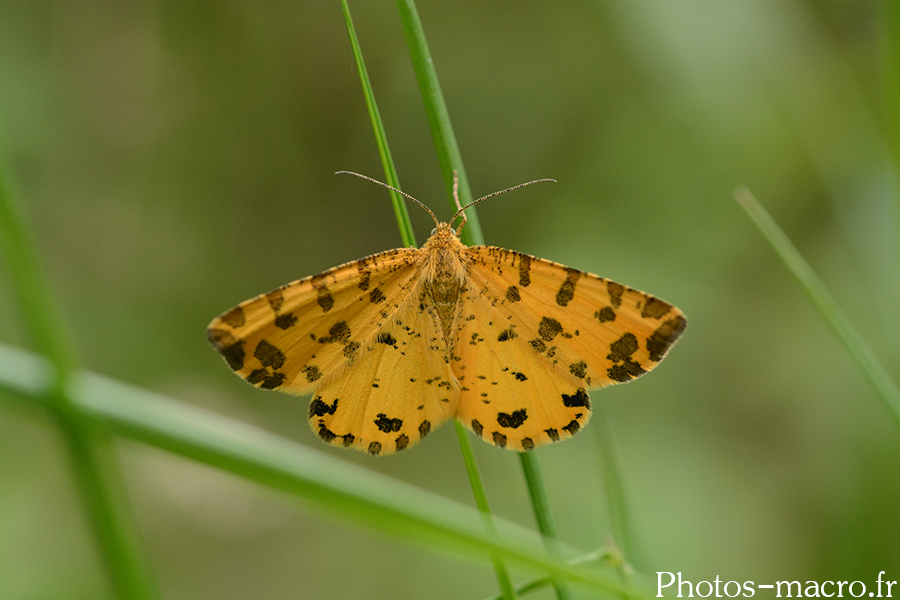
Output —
(543, 514)
(96, 477)
(617, 501)
(481, 501)
(384, 151)
(885, 387)
(454, 173)
(440, 122)
(41, 315)
(890, 18)
(449, 157)
(890, 12)
(319, 480)
(542, 582)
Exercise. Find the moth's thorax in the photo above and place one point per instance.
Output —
(444, 273)
(445, 258)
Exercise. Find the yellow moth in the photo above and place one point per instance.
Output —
(394, 344)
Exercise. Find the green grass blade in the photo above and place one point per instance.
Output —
(387, 162)
(97, 474)
(321, 481)
(449, 157)
(38, 308)
(96, 477)
(542, 582)
(451, 163)
(885, 387)
(617, 502)
(481, 501)
(890, 17)
(453, 173)
(540, 503)
(890, 13)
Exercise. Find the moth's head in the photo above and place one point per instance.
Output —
(445, 230)
(445, 227)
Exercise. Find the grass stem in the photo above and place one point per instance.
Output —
(885, 387)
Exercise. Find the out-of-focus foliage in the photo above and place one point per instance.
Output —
(178, 157)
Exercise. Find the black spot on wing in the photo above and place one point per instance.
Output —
(620, 352)
(268, 355)
(664, 336)
(512, 420)
(512, 294)
(527, 443)
(605, 314)
(477, 427)
(519, 376)
(339, 332)
(567, 289)
(402, 442)
(424, 428)
(374, 448)
(376, 296)
(579, 398)
(285, 321)
(524, 270)
(538, 345)
(364, 276)
(549, 329)
(388, 425)
(578, 369)
(655, 308)
(387, 339)
(507, 334)
(312, 373)
(230, 347)
(553, 434)
(325, 433)
(572, 428)
(499, 439)
(234, 318)
(275, 299)
(347, 440)
(264, 379)
(318, 408)
(623, 348)
(324, 299)
(625, 372)
(615, 293)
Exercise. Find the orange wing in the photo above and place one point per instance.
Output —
(300, 333)
(399, 388)
(536, 335)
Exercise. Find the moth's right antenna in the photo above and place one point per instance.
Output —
(462, 209)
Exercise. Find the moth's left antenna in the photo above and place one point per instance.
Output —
(390, 187)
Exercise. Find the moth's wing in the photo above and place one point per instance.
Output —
(536, 335)
(297, 334)
(398, 388)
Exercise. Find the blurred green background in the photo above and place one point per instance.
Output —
(178, 157)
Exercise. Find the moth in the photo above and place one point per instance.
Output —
(394, 344)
